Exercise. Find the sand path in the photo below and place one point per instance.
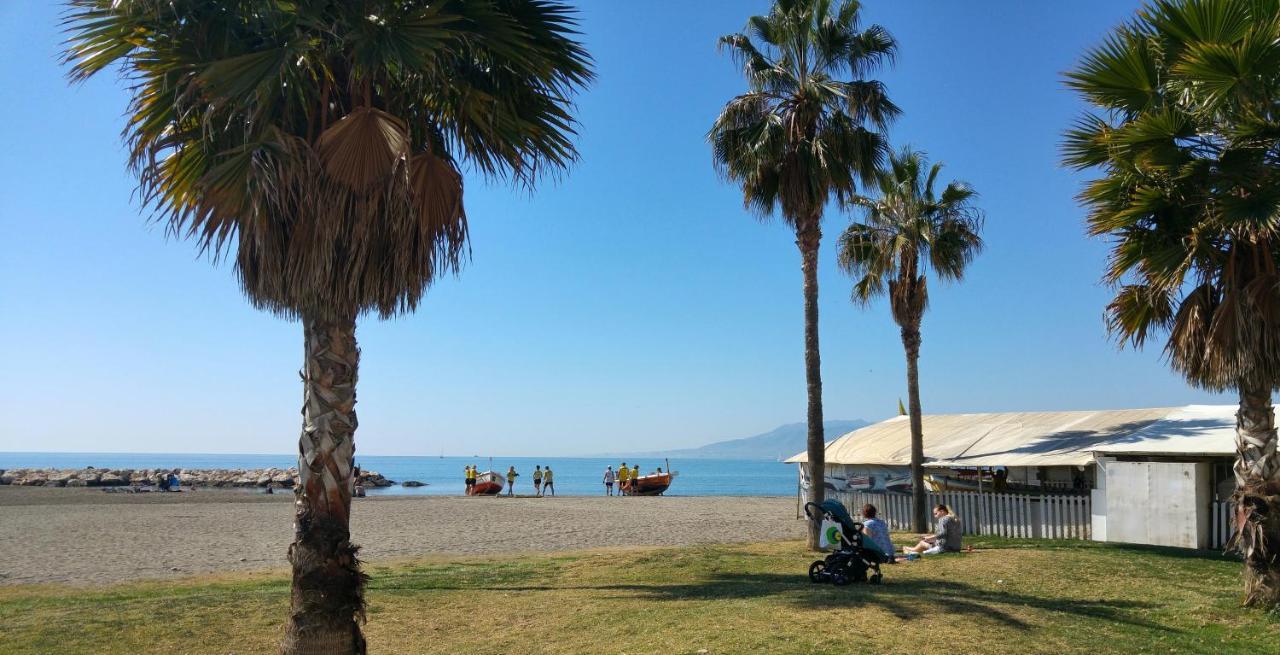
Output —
(85, 536)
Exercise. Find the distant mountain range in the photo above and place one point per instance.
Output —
(782, 441)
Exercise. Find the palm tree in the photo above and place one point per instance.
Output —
(905, 230)
(1183, 130)
(800, 136)
(318, 144)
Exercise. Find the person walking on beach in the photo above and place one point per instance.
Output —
(537, 480)
(609, 477)
(624, 474)
(470, 478)
(511, 480)
(548, 483)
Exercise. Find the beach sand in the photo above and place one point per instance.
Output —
(86, 536)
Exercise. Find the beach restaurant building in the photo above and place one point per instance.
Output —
(1149, 476)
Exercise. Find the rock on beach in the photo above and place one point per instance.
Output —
(228, 478)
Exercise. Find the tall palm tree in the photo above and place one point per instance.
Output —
(1186, 111)
(907, 229)
(317, 144)
(800, 136)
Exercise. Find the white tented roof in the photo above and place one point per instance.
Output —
(1190, 430)
(1040, 438)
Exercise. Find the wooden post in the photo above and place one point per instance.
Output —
(978, 516)
(799, 487)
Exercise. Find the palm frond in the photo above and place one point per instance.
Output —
(321, 141)
(1138, 311)
(909, 226)
(801, 134)
(1121, 74)
(1182, 131)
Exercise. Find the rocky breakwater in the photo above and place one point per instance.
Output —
(96, 477)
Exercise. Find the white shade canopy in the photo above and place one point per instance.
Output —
(1040, 438)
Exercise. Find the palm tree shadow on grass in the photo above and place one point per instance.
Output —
(910, 599)
(907, 600)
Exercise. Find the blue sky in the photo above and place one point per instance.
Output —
(631, 304)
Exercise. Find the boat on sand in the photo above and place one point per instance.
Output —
(653, 484)
(489, 483)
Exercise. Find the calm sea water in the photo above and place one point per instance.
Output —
(575, 476)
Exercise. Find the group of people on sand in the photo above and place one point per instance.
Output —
(946, 537)
(625, 478)
(170, 482)
(544, 480)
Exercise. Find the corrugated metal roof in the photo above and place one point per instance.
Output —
(1039, 438)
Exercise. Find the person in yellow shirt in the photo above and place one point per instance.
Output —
(471, 477)
(548, 482)
(635, 477)
(511, 480)
(624, 475)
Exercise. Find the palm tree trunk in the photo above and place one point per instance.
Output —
(919, 510)
(808, 241)
(328, 587)
(1257, 497)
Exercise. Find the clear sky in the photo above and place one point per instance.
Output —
(633, 304)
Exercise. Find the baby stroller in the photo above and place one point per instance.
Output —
(852, 561)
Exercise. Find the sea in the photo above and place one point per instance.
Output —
(574, 476)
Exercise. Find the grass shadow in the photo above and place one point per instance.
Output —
(907, 599)
(1171, 552)
(985, 542)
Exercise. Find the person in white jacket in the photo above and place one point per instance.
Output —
(609, 478)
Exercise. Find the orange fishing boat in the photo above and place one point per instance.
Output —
(654, 484)
(489, 483)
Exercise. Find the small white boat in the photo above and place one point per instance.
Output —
(489, 483)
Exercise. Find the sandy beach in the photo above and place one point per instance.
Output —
(86, 536)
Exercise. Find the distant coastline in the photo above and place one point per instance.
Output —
(776, 444)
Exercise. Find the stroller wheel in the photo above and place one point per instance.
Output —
(839, 579)
(876, 579)
(817, 571)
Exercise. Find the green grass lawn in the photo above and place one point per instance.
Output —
(1009, 597)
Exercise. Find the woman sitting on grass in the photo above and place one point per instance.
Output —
(945, 539)
(877, 532)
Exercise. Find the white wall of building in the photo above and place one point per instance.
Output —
(1158, 503)
(1098, 500)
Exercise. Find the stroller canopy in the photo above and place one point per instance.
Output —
(837, 511)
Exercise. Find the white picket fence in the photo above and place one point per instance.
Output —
(1223, 524)
(1049, 516)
